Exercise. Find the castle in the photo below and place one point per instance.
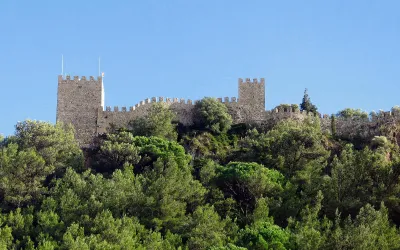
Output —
(80, 102)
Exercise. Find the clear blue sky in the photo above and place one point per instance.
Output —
(347, 53)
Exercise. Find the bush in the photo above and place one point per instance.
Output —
(350, 113)
(379, 141)
(212, 115)
(287, 107)
(158, 122)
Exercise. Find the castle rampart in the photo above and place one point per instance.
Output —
(361, 127)
(81, 103)
(121, 116)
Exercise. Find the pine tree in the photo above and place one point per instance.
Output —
(333, 124)
(307, 105)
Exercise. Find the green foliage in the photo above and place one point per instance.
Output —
(158, 148)
(229, 246)
(247, 182)
(22, 176)
(288, 107)
(358, 178)
(212, 115)
(306, 104)
(380, 141)
(173, 192)
(371, 229)
(297, 150)
(207, 145)
(208, 229)
(293, 147)
(115, 151)
(333, 125)
(55, 143)
(124, 148)
(310, 232)
(157, 122)
(207, 171)
(288, 187)
(6, 238)
(262, 233)
(350, 113)
(264, 236)
(28, 160)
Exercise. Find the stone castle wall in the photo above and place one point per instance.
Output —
(120, 117)
(346, 128)
(80, 103)
(361, 128)
(183, 109)
(252, 98)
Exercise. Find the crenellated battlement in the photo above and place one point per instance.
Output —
(168, 101)
(248, 81)
(78, 80)
(227, 100)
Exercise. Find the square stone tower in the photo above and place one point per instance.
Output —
(252, 98)
(78, 102)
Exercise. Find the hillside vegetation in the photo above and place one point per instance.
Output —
(160, 185)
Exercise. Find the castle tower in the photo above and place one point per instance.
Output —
(78, 102)
(252, 98)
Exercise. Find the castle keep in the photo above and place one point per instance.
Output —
(80, 102)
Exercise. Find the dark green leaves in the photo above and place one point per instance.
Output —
(212, 115)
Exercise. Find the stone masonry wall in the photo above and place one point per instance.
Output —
(183, 109)
(252, 98)
(241, 111)
(346, 128)
(78, 101)
(362, 128)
